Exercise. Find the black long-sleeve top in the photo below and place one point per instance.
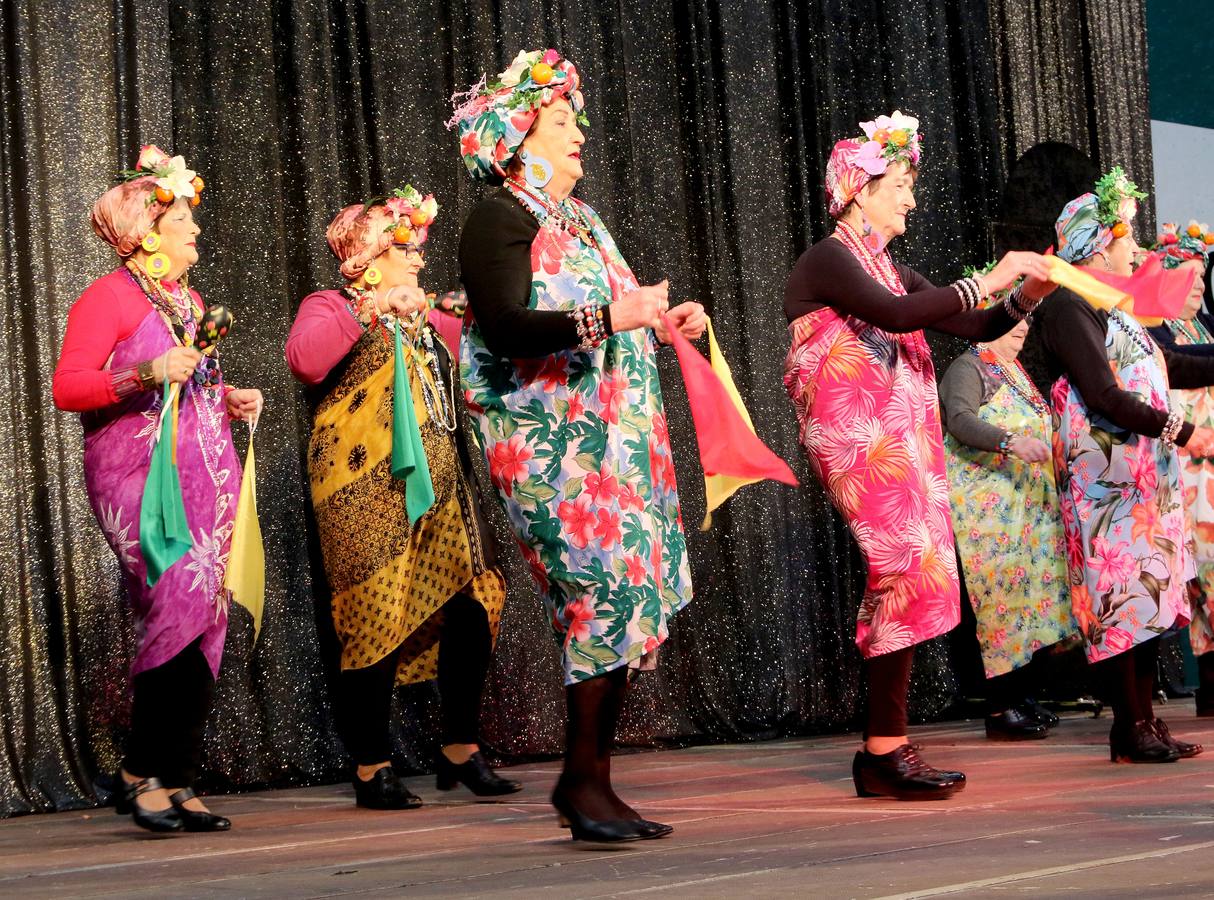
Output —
(1073, 334)
(495, 268)
(827, 274)
(1166, 339)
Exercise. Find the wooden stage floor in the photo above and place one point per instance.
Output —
(776, 819)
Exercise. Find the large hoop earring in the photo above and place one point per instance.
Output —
(536, 170)
(373, 275)
(150, 242)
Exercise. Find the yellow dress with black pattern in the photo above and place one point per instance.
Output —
(389, 580)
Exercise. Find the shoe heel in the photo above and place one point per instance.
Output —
(562, 821)
(858, 780)
(445, 782)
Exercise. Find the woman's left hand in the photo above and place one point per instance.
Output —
(244, 403)
(688, 317)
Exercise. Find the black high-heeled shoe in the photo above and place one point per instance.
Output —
(474, 774)
(127, 803)
(1183, 748)
(649, 830)
(384, 790)
(595, 831)
(1139, 744)
(193, 819)
(903, 775)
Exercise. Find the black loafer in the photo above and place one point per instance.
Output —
(475, 775)
(1015, 725)
(1032, 708)
(195, 820)
(384, 790)
(903, 775)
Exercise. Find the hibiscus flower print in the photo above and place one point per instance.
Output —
(602, 486)
(508, 462)
(578, 520)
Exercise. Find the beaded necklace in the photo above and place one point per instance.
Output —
(173, 308)
(1193, 329)
(564, 215)
(1134, 332)
(1015, 377)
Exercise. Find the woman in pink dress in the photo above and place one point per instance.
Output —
(860, 375)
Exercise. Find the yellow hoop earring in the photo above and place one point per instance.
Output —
(373, 275)
(150, 242)
(158, 265)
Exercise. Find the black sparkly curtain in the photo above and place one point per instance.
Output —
(710, 126)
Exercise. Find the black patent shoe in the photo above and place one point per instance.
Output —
(475, 775)
(162, 820)
(194, 819)
(1139, 744)
(384, 790)
(648, 830)
(594, 831)
(1031, 707)
(903, 775)
(1183, 748)
(1015, 725)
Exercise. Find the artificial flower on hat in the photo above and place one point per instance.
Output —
(1176, 245)
(169, 173)
(411, 214)
(854, 162)
(493, 116)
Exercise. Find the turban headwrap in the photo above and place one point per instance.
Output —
(493, 118)
(123, 215)
(855, 162)
(1090, 222)
(362, 231)
(1176, 246)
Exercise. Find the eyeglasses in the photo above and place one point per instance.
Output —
(409, 248)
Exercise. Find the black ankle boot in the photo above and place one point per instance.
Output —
(163, 821)
(903, 775)
(1139, 744)
(474, 774)
(384, 790)
(1015, 725)
(1184, 749)
(195, 820)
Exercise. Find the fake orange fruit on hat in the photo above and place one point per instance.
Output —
(899, 138)
(417, 217)
(1120, 230)
(402, 234)
(541, 73)
(1209, 237)
(880, 136)
(198, 184)
(196, 199)
(1194, 231)
(164, 195)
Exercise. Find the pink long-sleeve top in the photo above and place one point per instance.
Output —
(325, 331)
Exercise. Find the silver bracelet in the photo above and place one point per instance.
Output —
(1171, 428)
(969, 292)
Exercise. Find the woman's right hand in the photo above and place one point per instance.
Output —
(1032, 266)
(1200, 443)
(403, 301)
(640, 308)
(1029, 449)
(176, 366)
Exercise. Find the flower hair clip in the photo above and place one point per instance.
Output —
(173, 178)
(889, 139)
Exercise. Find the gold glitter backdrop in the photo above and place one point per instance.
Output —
(710, 126)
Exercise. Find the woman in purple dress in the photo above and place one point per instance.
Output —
(129, 333)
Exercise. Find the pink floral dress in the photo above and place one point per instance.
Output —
(1121, 498)
(870, 425)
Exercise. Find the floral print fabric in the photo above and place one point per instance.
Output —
(1009, 533)
(870, 425)
(578, 450)
(1121, 500)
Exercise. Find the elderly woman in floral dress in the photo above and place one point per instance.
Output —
(130, 332)
(559, 371)
(860, 375)
(1119, 475)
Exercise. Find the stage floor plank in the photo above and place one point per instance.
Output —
(777, 819)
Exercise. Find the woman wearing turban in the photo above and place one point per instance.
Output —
(1119, 475)
(860, 375)
(129, 333)
(416, 595)
(559, 371)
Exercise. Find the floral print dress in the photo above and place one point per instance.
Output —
(870, 425)
(1009, 534)
(1121, 500)
(1198, 474)
(578, 450)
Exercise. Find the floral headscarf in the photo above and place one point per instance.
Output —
(494, 117)
(1090, 222)
(1176, 246)
(857, 161)
(123, 215)
(362, 231)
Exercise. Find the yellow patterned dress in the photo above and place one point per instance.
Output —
(1198, 475)
(389, 580)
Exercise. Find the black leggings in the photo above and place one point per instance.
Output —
(170, 708)
(888, 678)
(464, 650)
(1009, 689)
(1128, 682)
